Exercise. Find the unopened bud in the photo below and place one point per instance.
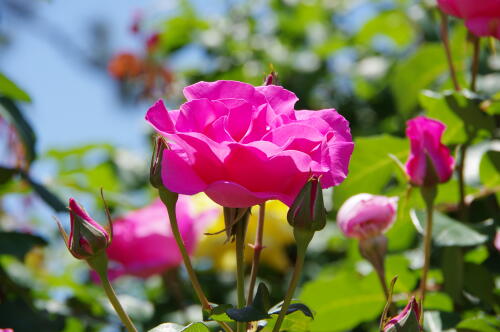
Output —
(408, 320)
(156, 160)
(87, 238)
(308, 210)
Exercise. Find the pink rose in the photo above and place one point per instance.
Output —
(243, 145)
(427, 150)
(365, 216)
(143, 244)
(482, 17)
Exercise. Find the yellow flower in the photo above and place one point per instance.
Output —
(277, 236)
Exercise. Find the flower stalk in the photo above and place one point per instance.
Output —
(240, 232)
(99, 264)
(446, 44)
(429, 195)
(257, 248)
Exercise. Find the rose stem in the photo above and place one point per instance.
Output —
(257, 248)
(475, 62)
(446, 44)
(299, 263)
(241, 226)
(428, 194)
(100, 264)
(170, 204)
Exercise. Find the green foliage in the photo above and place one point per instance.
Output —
(392, 24)
(19, 244)
(345, 297)
(371, 156)
(448, 232)
(171, 327)
(10, 90)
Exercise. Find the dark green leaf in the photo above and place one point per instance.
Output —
(18, 244)
(11, 90)
(256, 311)
(479, 282)
(6, 174)
(489, 169)
(447, 231)
(46, 195)
(293, 308)
(10, 111)
(452, 266)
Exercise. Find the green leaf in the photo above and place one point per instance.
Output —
(293, 308)
(294, 322)
(343, 301)
(460, 111)
(479, 324)
(416, 73)
(479, 282)
(438, 321)
(477, 255)
(452, 266)
(6, 174)
(19, 244)
(448, 232)
(10, 111)
(10, 90)
(489, 169)
(393, 24)
(399, 265)
(256, 311)
(438, 301)
(371, 156)
(46, 195)
(172, 327)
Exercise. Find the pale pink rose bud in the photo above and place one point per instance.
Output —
(482, 18)
(87, 238)
(365, 216)
(406, 320)
(6, 330)
(430, 161)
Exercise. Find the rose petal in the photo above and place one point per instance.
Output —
(159, 117)
(224, 89)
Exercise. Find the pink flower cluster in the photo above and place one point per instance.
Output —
(243, 145)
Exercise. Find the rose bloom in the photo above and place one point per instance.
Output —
(243, 145)
(426, 149)
(277, 237)
(143, 244)
(364, 215)
(482, 17)
(125, 65)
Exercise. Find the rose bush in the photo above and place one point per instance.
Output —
(243, 145)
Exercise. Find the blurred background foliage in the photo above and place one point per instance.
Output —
(378, 62)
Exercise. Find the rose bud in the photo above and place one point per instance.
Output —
(406, 320)
(364, 215)
(307, 213)
(156, 161)
(87, 238)
(430, 161)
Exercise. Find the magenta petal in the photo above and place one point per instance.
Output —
(336, 156)
(196, 115)
(327, 120)
(178, 175)
(280, 99)
(450, 7)
(159, 118)
(230, 194)
(484, 26)
(223, 90)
